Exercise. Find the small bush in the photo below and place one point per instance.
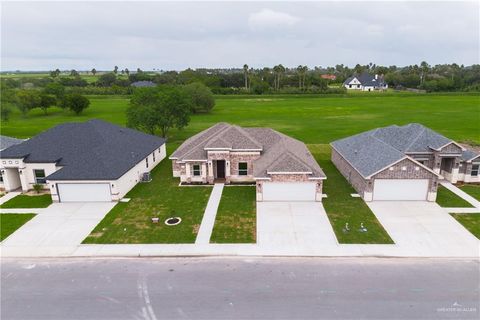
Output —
(37, 187)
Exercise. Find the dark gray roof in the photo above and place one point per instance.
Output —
(374, 150)
(92, 150)
(468, 155)
(139, 84)
(279, 153)
(366, 79)
(6, 142)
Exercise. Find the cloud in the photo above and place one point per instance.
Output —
(269, 19)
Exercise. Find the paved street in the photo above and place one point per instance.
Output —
(213, 288)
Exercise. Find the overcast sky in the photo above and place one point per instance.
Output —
(166, 35)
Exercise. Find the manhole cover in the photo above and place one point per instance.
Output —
(173, 221)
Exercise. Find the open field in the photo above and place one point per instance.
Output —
(312, 119)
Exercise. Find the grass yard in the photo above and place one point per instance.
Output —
(470, 221)
(312, 119)
(162, 197)
(472, 189)
(23, 201)
(342, 208)
(10, 222)
(236, 216)
(448, 199)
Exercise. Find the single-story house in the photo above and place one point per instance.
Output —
(402, 162)
(88, 161)
(282, 168)
(365, 82)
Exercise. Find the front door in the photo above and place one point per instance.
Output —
(221, 169)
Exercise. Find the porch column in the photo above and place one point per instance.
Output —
(187, 172)
(23, 179)
(210, 175)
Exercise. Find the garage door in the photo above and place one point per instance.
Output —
(84, 192)
(288, 191)
(400, 189)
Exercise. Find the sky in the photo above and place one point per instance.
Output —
(177, 35)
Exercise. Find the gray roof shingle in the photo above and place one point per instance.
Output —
(279, 153)
(92, 150)
(6, 142)
(374, 150)
(366, 79)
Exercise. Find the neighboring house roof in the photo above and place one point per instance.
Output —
(143, 84)
(6, 142)
(279, 153)
(367, 80)
(373, 150)
(92, 150)
(469, 155)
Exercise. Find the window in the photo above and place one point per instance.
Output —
(1, 178)
(349, 85)
(154, 157)
(475, 167)
(39, 176)
(196, 170)
(242, 168)
(146, 162)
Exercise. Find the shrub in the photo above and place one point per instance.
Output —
(37, 187)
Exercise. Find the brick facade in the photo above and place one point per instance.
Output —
(407, 169)
(356, 180)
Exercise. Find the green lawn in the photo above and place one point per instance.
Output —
(448, 199)
(162, 197)
(10, 222)
(312, 119)
(24, 201)
(470, 221)
(342, 208)
(236, 216)
(472, 189)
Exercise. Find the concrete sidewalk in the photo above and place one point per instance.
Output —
(462, 194)
(208, 221)
(9, 196)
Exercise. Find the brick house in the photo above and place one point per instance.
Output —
(282, 168)
(402, 163)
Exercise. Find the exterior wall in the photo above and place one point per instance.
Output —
(290, 178)
(428, 159)
(177, 168)
(407, 169)
(359, 183)
(235, 159)
(465, 172)
(16, 169)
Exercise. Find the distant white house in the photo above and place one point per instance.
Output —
(365, 82)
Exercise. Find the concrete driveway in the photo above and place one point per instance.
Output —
(424, 228)
(297, 226)
(57, 230)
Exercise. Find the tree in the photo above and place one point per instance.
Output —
(74, 73)
(55, 73)
(55, 88)
(245, 75)
(26, 100)
(115, 70)
(94, 71)
(424, 67)
(107, 79)
(160, 108)
(5, 112)
(75, 102)
(127, 71)
(47, 101)
(201, 97)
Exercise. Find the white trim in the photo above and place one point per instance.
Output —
(406, 157)
(185, 161)
(287, 172)
(317, 178)
(449, 155)
(232, 149)
(461, 147)
(262, 178)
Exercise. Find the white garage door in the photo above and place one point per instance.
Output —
(84, 192)
(400, 189)
(288, 191)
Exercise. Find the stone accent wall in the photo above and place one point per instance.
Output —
(358, 182)
(236, 158)
(289, 177)
(410, 172)
(421, 157)
(451, 148)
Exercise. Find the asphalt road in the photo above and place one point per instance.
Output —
(231, 288)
